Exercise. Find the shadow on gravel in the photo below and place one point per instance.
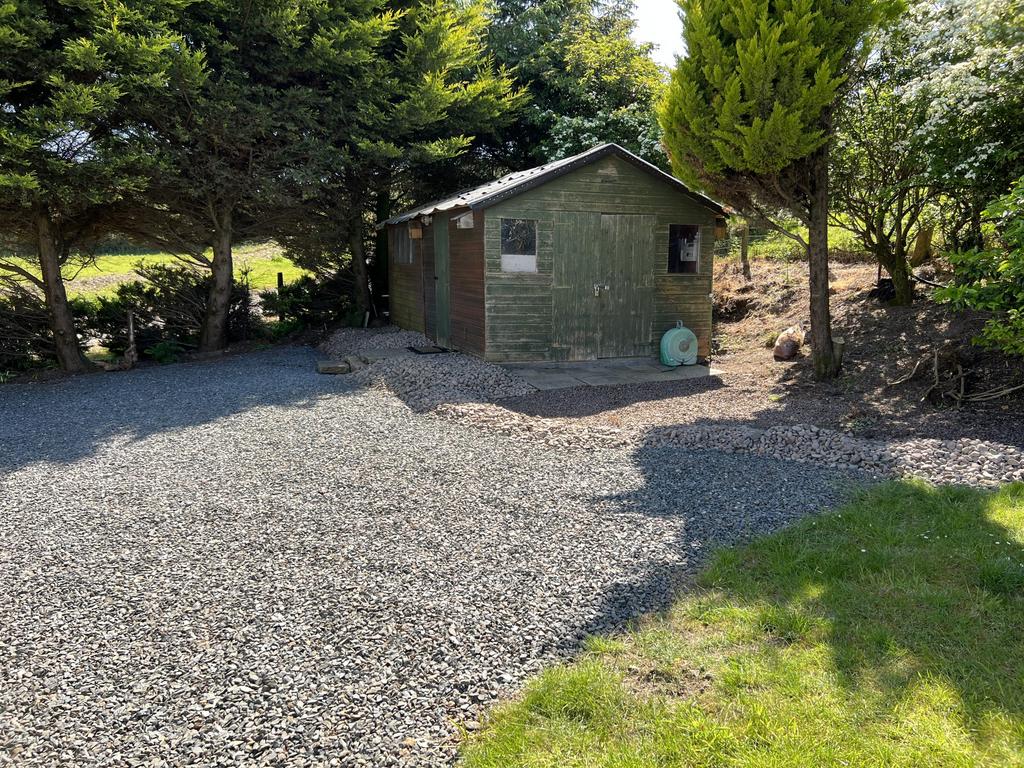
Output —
(720, 500)
(69, 419)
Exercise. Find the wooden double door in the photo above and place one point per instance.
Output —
(602, 284)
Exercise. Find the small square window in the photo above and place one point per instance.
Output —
(683, 249)
(403, 245)
(518, 245)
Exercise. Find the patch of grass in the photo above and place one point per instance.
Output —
(106, 271)
(99, 354)
(889, 633)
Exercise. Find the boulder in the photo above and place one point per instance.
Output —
(787, 346)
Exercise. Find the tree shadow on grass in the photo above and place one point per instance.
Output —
(907, 586)
(69, 419)
(901, 612)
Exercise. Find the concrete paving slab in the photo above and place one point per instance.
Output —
(552, 380)
(607, 372)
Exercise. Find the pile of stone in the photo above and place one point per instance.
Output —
(425, 382)
(966, 461)
(559, 433)
(800, 442)
(356, 341)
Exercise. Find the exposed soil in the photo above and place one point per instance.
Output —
(883, 345)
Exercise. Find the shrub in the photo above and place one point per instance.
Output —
(993, 280)
(168, 306)
(311, 300)
(165, 352)
(25, 339)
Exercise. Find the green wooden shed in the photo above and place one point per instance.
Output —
(592, 256)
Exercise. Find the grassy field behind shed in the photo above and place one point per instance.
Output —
(108, 270)
(889, 633)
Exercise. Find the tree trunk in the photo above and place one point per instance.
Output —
(895, 264)
(379, 266)
(214, 333)
(826, 365)
(745, 251)
(62, 322)
(364, 301)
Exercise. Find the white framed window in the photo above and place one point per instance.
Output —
(518, 245)
(683, 249)
(402, 246)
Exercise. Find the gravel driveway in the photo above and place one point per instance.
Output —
(244, 563)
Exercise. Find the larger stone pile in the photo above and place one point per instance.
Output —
(561, 433)
(355, 341)
(425, 382)
(801, 442)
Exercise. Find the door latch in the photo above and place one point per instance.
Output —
(598, 287)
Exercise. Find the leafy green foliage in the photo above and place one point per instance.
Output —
(993, 280)
(24, 331)
(69, 78)
(311, 301)
(753, 97)
(882, 188)
(168, 305)
(588, 82)
(165, 352)
(886, 633)
(748, 115)
(966, 62)
(389, 120)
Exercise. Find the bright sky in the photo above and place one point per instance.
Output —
(657, 21)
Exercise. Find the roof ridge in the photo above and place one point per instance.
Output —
(515, 182)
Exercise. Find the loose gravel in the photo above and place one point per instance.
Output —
(242, 562)
(488, 396)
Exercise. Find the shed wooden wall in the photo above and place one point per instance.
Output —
(405, 283)
(429, 293)
(519, 305)
(466, 265)
(412, 285)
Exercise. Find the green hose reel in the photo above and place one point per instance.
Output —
(678, 346)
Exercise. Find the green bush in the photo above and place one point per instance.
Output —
(24, 331)
(993, 280)
(165, 352)
(168, 305)
(311, 301)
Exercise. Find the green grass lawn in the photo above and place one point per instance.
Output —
(890, 633)
(103, 275)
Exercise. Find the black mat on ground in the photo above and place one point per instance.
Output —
(427, 350)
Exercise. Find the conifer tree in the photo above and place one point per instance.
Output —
(749, 114)
(69, 77)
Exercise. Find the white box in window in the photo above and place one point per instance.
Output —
(518, 263)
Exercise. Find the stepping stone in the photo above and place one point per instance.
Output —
(333, 366)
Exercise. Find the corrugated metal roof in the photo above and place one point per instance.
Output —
(520, 181)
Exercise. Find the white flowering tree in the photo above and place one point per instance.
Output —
(882, 187)
(967, 60)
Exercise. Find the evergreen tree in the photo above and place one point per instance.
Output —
(750, 110)
(70, 76)
(416, 105)
(238, 150)
(588, 81)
